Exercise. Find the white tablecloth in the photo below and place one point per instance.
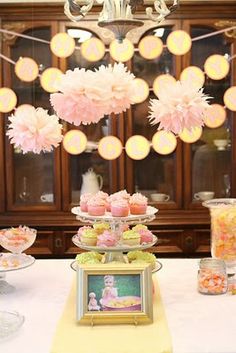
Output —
(198, 323)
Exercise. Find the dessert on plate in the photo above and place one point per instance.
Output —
(90, 257)
(99, 227)
(89, 237)
(96, 206)
(84, 201)
(120, 208)
(131, 238)
(107, 238)
(138, 204)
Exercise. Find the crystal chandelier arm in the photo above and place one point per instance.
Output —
(162, 9)
(71, 5)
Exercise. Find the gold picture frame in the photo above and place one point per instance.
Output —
(114, 294)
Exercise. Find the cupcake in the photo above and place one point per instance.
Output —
(100, 227)
(89, 257)
(89, 237)
(131, 238)
(139, 227)
(138, 204)
(81, 230)
(142, 256)
(120, 208)
(84, 202)
(107, 238)
(117, 196)
(96, 206)
(146, 236)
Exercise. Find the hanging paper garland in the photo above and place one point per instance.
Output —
(193, 75)
(216, 67)
(137, 147)
(179, 42)
(62, 45)
(50, 79)
(33, 130)
(26, 69)
(8, 100)
(180, 106)
(92, 49)
(164, 142)
(110, 147)
(191, 136)
(214, 116)
(230, 98)
(161, 81)
(150, 47)
(121, 52)
(141, 91)
(75, 142)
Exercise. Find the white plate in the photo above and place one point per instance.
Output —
(117, 248)
(13, 262)
(10, 322)
(158, 266)
(84, 216)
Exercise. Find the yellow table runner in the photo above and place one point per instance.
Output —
(71, 337)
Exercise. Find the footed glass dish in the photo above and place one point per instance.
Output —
(10, 322)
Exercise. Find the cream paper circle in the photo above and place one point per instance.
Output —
(50, 79)
(92, 49)
(137, 147)
(62, 45)
(191, 136)
(150, 47)
(164, 142)
(8, 100)
(110, 147)
(26, 69)
(194, 76)
(74, 142)
(121, 51)
(179, 42)
(230, 98)
(214, 116)
(216, 67)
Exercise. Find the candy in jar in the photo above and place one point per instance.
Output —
(212, 276)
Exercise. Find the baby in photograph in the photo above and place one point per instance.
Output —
(109, 292)
(93, 304)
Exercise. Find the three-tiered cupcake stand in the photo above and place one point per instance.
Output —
(115, 253)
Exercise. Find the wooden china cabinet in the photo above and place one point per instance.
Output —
(39, 190)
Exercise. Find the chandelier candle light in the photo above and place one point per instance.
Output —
(117, 15)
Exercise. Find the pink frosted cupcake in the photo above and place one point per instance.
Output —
(120, 208)
(138, 204)
(84, 202)
(96, 206)
(117, 196)
(107, 238)
(104, 196)
(146, 236)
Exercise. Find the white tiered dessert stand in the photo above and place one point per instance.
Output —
(115, 253)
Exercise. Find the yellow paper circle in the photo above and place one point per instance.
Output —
(214, 116)
(26, 69)
(191, 136)
(8, 100)
(164, 142)
(24, 107)
(161, 81)
(62, 45)
(141, 91)
(216, 67)
(121, 51)
(230, 98)
(75, 142)
(92, 49)
(110, 147)
(137, 147)
(194, 76)
(150, 47)
(50, 78)
(179, 42)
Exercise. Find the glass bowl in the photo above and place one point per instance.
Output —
(17, 240)
(10, 322)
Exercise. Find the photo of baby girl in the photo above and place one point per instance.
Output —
(114, 293)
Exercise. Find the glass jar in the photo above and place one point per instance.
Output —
(212, 276)
(223, 229)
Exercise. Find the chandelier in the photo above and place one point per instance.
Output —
(117, 15)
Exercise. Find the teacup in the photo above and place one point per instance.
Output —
(47, 197)
(221, 144)
(160, 197)
(204, 195)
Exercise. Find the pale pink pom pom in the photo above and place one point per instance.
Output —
(33, 130)
(76, 111)
(121, 87)
(180, 106)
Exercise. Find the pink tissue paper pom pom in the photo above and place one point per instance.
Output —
(180, 106)
(34, 130)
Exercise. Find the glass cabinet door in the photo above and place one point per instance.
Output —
(78, 165)
(33, 176)
(156, 174)
(211, 155)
